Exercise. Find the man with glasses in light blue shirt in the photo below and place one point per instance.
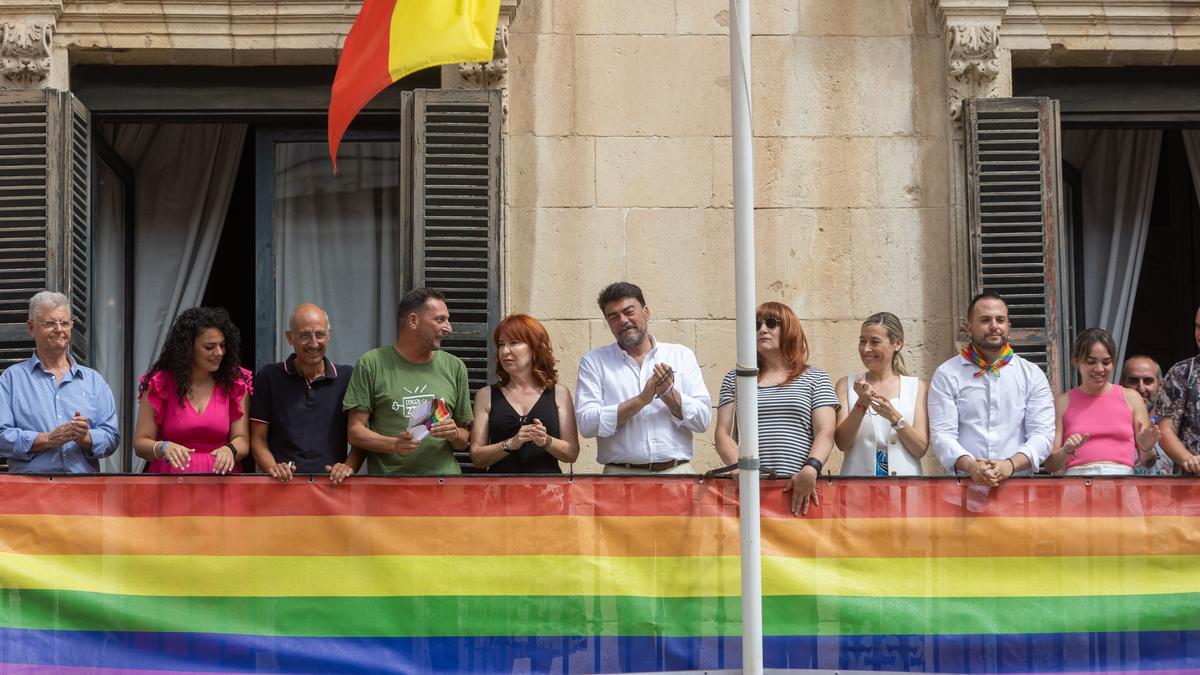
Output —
(56, 416)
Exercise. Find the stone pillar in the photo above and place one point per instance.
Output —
(494, 73)
(26, 39)
(977, 67)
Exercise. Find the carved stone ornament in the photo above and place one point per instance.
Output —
(974, 64)
(493, 74)
(25, 53)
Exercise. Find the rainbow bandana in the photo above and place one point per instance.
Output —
(971, 354)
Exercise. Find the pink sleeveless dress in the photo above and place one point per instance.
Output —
(182, 425)
(1108, 420)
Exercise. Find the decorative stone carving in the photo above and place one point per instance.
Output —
(25, 53)
(972, 29)
(494, 73)
(974, 63)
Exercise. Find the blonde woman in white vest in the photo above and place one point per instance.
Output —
(882, 423)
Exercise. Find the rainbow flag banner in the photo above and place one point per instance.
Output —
(112, 574)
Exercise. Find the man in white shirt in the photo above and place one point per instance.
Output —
(639, 398)
(991, 412)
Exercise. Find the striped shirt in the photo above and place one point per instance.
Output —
(785, 430)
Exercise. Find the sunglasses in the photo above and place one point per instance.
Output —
(772, 323)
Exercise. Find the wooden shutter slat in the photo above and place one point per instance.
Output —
(456, 216)
(45, 213)
(1013, 185)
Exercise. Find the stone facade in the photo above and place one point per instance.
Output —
(620, 144)
(618, 141)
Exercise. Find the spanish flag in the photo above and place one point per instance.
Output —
(394, 38)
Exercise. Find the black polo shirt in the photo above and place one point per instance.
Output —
(306, 423)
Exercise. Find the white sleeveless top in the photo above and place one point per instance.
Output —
(876, 432)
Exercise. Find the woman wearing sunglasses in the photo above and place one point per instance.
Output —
(797, 407)
(882, 423)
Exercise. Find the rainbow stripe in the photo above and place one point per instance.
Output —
(240, 574)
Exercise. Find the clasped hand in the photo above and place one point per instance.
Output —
(990, 472)
(531, 433)
(74, 430)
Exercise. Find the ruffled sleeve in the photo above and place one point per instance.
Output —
(242, 386)
(160, 392)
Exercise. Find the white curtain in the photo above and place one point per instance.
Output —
(1191, 143)
(1118, 169)
(183, 179)
(108, 295)
(335, 241)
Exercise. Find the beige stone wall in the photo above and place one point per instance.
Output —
(619, 167)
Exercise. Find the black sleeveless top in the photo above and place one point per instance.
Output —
(504, 422)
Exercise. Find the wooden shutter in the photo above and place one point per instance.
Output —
(1014, 213)
(456, 214)
(45, 213)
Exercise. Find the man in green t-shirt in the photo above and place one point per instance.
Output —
(388, 383)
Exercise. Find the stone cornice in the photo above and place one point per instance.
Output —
(1079, 32)
(229, 32)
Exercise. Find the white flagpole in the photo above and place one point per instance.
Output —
(747, 352)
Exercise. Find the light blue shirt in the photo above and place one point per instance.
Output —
(32, 402)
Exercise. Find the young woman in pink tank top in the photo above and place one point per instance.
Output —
(1100, 425)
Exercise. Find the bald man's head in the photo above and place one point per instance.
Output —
(1142, 374)
(308, 334)
(308, 312)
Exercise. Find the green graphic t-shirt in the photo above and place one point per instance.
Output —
(389, 387)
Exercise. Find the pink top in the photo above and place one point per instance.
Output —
(182, 425)
(1108, 420)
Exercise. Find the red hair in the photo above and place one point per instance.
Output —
(526, 329)
(792, 342)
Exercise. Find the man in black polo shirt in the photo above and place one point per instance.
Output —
(297, 424)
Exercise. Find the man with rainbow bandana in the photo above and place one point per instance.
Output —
(991, 412)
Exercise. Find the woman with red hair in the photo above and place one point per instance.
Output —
(525, 423)
(797, 407)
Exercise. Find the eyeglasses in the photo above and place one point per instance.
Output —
(306, 336)
(771, 321)
(51, 325)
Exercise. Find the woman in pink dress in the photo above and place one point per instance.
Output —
(192, 410)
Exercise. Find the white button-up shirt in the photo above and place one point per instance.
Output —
(990, 417)
(608, 377)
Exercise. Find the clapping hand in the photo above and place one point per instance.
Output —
(863, 391)
(664, 379)
(81, 426)
(885, 408)
(1146, 437)
(1074, 442)
(526, 434)
(541, 437)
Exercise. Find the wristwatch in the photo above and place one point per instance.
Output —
(900, 424)
(504, 446)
